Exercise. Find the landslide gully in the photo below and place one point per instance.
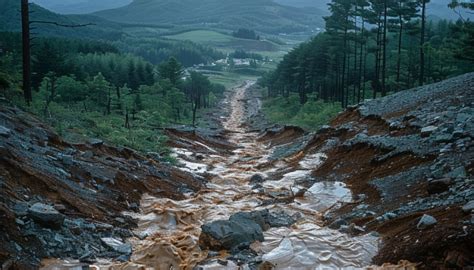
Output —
(388, 180)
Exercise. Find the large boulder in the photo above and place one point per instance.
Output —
(242, 229)
(228, 234)
(46, 215)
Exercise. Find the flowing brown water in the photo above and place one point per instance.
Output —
(173, 227)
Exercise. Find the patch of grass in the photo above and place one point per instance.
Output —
(288, 111)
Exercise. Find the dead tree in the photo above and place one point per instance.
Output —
(26, 46)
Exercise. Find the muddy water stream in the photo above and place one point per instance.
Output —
(171, 229)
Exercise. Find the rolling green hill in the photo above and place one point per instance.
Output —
(261, 15)
(80, 6)
(10, 20)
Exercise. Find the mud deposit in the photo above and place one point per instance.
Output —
(245, 181)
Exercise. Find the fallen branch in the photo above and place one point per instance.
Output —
(63, 25)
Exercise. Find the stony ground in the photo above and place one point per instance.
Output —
(66, 200)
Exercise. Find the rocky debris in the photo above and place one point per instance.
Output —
(46, 215)
(241, 230)
(58, 199)
(426, 221)
(468, 207)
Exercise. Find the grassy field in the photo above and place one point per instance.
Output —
(225, 42)
(202, 36)
(228, 79)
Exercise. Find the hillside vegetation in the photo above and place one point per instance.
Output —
(261, 15)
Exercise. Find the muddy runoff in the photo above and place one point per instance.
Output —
(170, 230)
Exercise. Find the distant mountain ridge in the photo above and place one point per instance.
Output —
(262, 15)
(80, 6)
(10, 20)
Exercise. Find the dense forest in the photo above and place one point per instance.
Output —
(371, 48)
(94, 88)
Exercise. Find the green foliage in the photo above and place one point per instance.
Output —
(171, 70)
(288, 111)
(241, 54)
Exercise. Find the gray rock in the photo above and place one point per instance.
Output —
(5, 132)
(46, 215)
(463, 117)
(227, 234)
(443, 138)
(338, 223)
(20, 208)
(67, 160)
(439, 185)
(96, 142)
(241, 229)
(87, 154)
(468, 207)
(117, 245)
(256, 179)
(19, 222)
(458, 172)
(426, 221)
(426, 131)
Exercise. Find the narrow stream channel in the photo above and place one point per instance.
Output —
(174, 226)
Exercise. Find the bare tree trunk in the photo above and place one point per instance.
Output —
(422, 43)
(343, 80)
(127, 120)
(384, 63)
(399, 57)
(25, 29)
(376, 81)
(361, 57)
